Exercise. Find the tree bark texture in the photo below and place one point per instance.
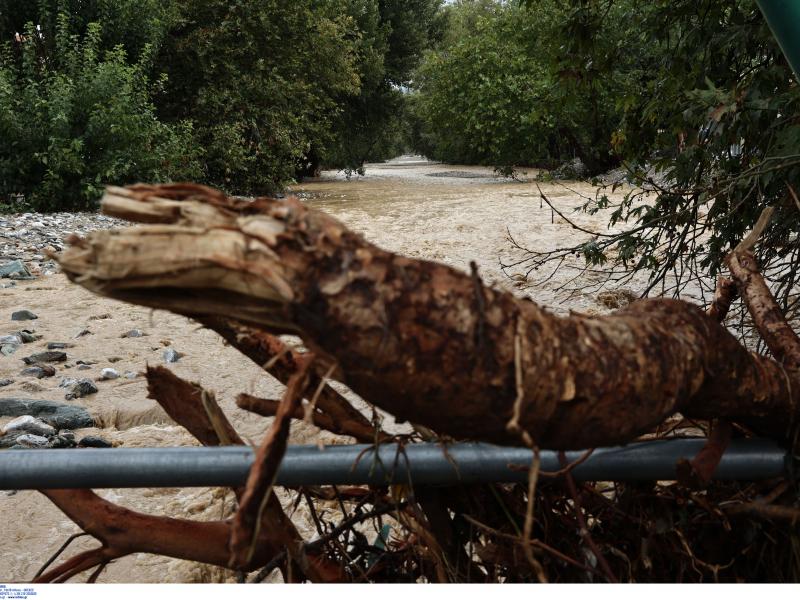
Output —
(421, 340)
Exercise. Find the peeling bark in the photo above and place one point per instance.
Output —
(421, 340)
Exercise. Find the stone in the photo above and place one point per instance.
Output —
(59, 345)
(82, 333)
(29, 440)
(172, 356)
(39, 371)
(8, 349)
(28, 336)
(130, 375)
(60, 441)
(85, 362)
(109, 373)
(23, 315)
(93, 441)
(10, 439)
(5, 382)
(133, 333)
(114, 359)
(67, 382)
(84, 367)
(58, 414)
(11, 339)
(14, 268)
(83, 387)
(48, 356)
(28, 424)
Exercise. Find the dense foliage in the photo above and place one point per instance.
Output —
(244, 95)
(76, 112)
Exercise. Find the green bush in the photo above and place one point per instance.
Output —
(78, 118)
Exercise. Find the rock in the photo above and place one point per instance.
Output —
(10, 439)
(109, 373)
(573, 169)
(133, 333)
(28, 336)
(59, 345)
(100, 317)
(67, 382)
(84, 367)
(85, 362)
(23, 315)
(48, 356)
(82, 333)
(8, 349)
(58, 414)
(28, 424)
(84, 387)
(60, 441)
(5, 382)
(172, 356)
(93, 441)
(11, 339)
(131, 375)
(68, 434)
(39, 371)
(29, 440)
(14, 268)
(113, 359)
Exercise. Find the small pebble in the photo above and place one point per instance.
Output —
(131, 375)
(93, 441)
(113, 359)
(84, 368)
(39, 371)
(28, 336)
(133, 333)
(49, 356)
(59, 345)
(84, 387)
(171, 355)
(5, 382)
(30, 440)
(109, 373)
(23, 315)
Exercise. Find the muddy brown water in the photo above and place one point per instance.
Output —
(449, 213)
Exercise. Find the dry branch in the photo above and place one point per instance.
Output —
(407, 334)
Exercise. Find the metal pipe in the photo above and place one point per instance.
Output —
(422, 464)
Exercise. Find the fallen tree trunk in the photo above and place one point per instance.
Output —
(421, 340)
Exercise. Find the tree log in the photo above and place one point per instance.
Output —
(424, 341)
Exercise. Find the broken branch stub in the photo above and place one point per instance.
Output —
(411, 336)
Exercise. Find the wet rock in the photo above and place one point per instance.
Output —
(23, 315)
(131, 375)
(133, 333)
(172, 356)
(83, 387)
(29, 440)
(60, 441)
(5, 382)
(93, 441)
(59, 345)
(58, 414)
(85, 362)
(48, 356)
(84, 367)
(67, 382)
(10, 439)
(8, 349)
(27, 336)
(109, 373)
(10, 339)
(28, 424)
(573, 169)
(39, 371)
(15, 268)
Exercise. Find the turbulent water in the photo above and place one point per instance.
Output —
(449, 213)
